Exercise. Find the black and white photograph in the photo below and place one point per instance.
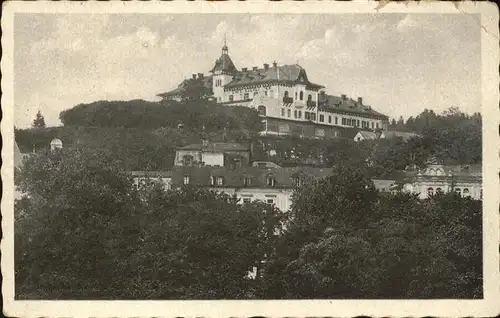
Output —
(302, 154)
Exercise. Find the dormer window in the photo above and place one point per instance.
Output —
(271, 181)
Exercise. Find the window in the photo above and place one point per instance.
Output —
(458, 191)
(343, 121)
(321, 118)
(186, 180)
(294, 114)
(357, 123)
(271, 181)
(439, 191)
(430, 192)
(336, 120)
(283, 112)
(220, 181)
(237, 163)
(288, 112)
(466, 192)
(309, 97)
(329, 119)
(295, 95)
(262, 110)
(265, 93)
(247, 181)
(271, 92)
(270, 201)
(377, 125)
(246, 200)
(220, 99)
(212, 180)
(307, 115)
(286, 94)
(313, 116)
(231, 98)
(373, 124)
(246, 96)
(187, 160)
(301, 95)
(300, 114)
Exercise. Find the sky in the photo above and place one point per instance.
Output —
(400, 64)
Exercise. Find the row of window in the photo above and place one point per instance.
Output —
(345, 121)
(358, 123)
(465, 192)
(248, 201)
(267, 93)
(219, 181)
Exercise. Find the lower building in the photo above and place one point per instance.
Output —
(465, 180)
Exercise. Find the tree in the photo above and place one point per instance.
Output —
(78, 225)
(83, 231)
(355, 243)
(39, 121)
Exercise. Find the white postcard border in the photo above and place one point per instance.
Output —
(271, 308)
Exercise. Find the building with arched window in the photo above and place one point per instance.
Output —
(435, 179)
(282, 86)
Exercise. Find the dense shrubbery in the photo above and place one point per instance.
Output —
(85, 232)
(347, 241)
(151, 115)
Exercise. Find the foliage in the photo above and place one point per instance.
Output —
(83, 231)
(193, 114)
(347, 241)
(453, 137)
(39, 121)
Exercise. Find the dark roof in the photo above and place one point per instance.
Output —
(290, 74)
(331, 103)
(224, 63)
(234, 178)
(206, 80)
(217, 147)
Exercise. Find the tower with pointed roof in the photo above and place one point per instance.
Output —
(223, 72)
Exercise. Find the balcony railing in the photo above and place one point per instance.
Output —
(311, 104)
(287, 100)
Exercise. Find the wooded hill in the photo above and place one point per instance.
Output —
(145, 134)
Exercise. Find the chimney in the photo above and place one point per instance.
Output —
(360, 100)
(254, 68)
(275, 64)
(266, 67)
(244, 69)
(200, 75)
(343, 97)
(194, 76)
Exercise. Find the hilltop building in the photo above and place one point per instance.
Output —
(288, 102)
